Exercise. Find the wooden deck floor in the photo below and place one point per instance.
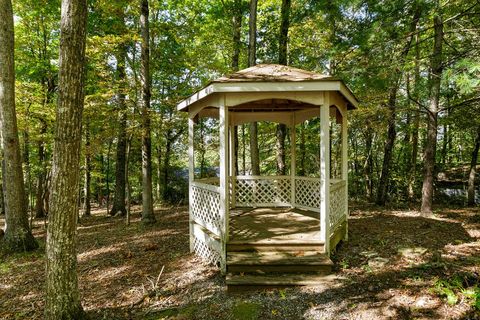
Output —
(270, 225)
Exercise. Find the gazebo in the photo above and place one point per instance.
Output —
(258, 227)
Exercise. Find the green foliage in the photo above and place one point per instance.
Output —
(459, 286)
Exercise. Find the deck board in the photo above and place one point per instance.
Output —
(271, 225)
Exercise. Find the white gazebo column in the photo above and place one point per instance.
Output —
(224, 166)
(345, 162)
(191, 172)
(233, 171)
(293, 161)
(325, 172)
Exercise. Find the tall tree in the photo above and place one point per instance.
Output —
(432, 115)
(18, 236)
(252, 61)
(62, 295)
(119, 197)
(392, 112)
(282, 59)
(147, 192)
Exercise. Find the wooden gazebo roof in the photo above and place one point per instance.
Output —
(271, 78)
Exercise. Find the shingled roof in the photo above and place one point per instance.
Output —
(272, 72)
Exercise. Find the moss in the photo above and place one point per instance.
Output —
(246, 311)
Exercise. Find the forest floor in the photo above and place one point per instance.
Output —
(396, 265)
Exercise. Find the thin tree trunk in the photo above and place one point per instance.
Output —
(127, 181)
(62, 294)
(244, 147)
(118, 206)
(18, 236)
(88, 173)
(303, 152)
(432, 114)
(237, 29)
(472, 172)
(148, 216)
(368, 165)
(40, 209)
(252, 61)
(416, 124)
(392, 113)
(281, 129)
(107, 177)
(254, 152)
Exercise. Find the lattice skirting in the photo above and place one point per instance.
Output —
(207, 252)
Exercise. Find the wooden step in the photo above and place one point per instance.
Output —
(265, 261)
(275, 245)
(255, 282)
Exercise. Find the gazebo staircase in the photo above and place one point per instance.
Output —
(259, 265)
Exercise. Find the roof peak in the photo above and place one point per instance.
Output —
(273, 72)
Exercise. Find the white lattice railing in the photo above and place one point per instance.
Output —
(338, 204)
(206, 206)
(207, 221)
(262, 191)
(307, 193)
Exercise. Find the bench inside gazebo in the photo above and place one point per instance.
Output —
(270, 230)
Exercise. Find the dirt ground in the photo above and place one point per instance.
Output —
(396, 265)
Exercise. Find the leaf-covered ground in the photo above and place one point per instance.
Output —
(396, 265)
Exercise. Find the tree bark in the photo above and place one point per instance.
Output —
(62, 294)
(368, 165)
(472, 171)
(148, 216)
(18, 236)
(118, 206)
(432, 114)
(252, 34)
(88, 173)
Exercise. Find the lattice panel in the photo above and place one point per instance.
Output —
(307, 193)
(206, 252)
(206, 208)
(338, 213)
(258, 191)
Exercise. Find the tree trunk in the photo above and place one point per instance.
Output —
(389, 145)
(302, 150)
(432, 114)
(368, 165)
(252, 50)
(237, 29)
(254, 152)
(282, 59)
(62, 294)
(252, 34)
(281, 133)
(392, 113)
(18, 236)
(148, 216)
(166, 165)
(472, 172)
(88, 173)
(118, 206)
(40, 209)
(416, 124)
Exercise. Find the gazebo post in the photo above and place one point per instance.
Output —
(191, 176)
(325, 172)
(224, 194)
(293, 160)
(345, 162)
(233, 172)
